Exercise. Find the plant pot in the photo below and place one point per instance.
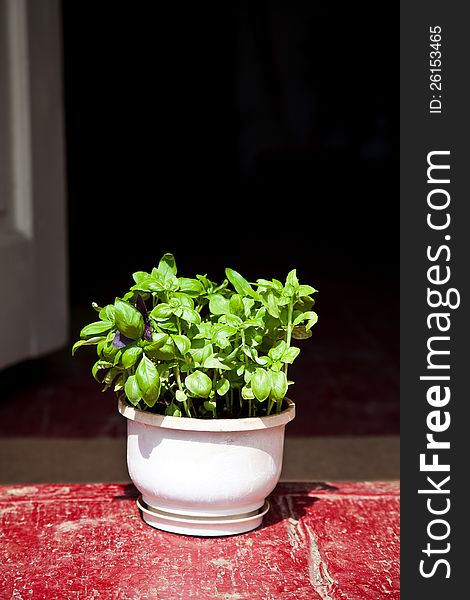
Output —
(205, 477)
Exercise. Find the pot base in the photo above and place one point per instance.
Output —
(202, 525)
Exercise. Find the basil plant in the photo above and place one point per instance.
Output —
(190, 347)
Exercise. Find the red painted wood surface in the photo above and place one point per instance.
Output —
(319, 541)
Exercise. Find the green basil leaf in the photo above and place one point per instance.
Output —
(117, 357)
(164, 371)
(232, 320)
(99, 365)
(131, 389)
(284, 316)
(107, 313)
(131, 356)
(171, 283)
(183, 299)
(240, 284)
(193, 287)
(109, 351)
(312, 319)
(218, 305)
(212, 362)
(210, 405)
(277, 366)
(258, 322)
(172, 410)
(129, 321)
(267, 284)
(156, 286)
(275, 284)
(278, 350)
(182, 343)
(201, 354)
(89, 342)
(252, 353)
(225, 330)
(247, 393)
(290, 354)
(165, 352)
(128, 296)
(139, 276)
(262, 360)
(261, 384)
(167, 266)
(190, 315)
(278, 384)
(305, 290)
(222, 386)
(180, 396)
(119, 383)
(148, 284)
(272, 305)
(96, 328)
(111, 375)
(158, 340)
(199, 384)
(304, 304)
(299, 318)
(170, 326)
(248, 304)
(205, 330)
(161, 312)
(310, 316)
(222, 334)
(207, 284)
(148, 381)
(289, 291)
(248, 373)
(236, 305)
(292, 280)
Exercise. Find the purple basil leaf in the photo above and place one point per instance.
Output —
(148, 333)
(140, 305)
(120, 340)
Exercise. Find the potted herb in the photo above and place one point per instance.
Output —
(200, 371)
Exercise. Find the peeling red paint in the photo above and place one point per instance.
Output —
(327, 541)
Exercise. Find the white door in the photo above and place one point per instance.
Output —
(33, 276)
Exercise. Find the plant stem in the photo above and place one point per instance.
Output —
(214, 381)
(289, 329)
(250, 404)
(270, 406)
(180, 386)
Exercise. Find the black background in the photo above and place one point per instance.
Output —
(259, 135)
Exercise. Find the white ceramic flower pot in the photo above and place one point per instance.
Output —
(206, 477)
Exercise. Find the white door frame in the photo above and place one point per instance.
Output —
(33, 244)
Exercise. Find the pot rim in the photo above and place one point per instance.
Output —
(195, 424)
